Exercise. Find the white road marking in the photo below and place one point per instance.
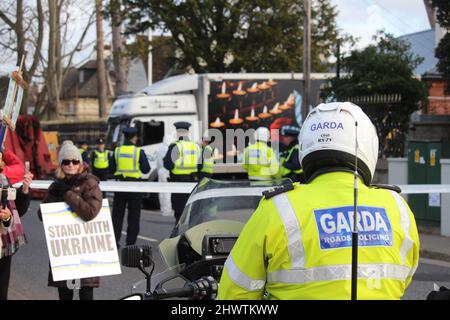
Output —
(435, 262)
(143, 238)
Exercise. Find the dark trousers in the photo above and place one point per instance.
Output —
(5, 272)
(86, 293)
(134, 202)
(102, 174)
(178, 203)
(179, 199)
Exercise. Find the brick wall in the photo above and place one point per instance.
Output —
(438, 101)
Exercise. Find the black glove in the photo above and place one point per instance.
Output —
(59, 188)
(442, 294)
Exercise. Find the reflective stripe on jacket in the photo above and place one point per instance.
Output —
(260, 161)
(127, 161)
(188, 159)
(297, 245)
(101, 160)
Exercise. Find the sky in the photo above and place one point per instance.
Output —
(359, 18)
(362, 18)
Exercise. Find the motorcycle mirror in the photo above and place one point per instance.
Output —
(136, 256)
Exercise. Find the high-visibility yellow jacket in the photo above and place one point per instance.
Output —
(101, 160)
(297, 244)
(285, 172)
(208, 160)
(127, 161)
(188, 159)
(260, 162)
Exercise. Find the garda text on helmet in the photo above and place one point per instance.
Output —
(335, 226)
(327, 125)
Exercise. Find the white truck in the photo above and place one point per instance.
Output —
(220, 101)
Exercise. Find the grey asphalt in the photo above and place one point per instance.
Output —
(30, 264)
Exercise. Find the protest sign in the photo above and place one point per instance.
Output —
(79, 249)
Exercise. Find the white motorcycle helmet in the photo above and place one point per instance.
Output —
(262, 134)
(327, 139)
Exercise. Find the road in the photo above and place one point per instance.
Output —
(30, 265)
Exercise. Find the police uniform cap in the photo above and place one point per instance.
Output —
(182, 125)
(292, 131)
(100, 141)
(130, 130)
(130, 133)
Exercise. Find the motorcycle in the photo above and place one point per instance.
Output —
(140, 257)
(200, 243)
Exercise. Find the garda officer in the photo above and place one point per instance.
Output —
(207, 163)
(297, 244)
(182, 160)
(128, 164)
(290, 166)
(84, 152)
(260, 160)
(100, 161)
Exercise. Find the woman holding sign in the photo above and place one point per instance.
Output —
(81, 191)
(11, 231)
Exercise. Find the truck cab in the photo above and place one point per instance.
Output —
(153, 116)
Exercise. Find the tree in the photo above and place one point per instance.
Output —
(60, 55)
(24, 35)
(443, 49)
(380, 70)
(238, 35)
(101, 68)
(24, 25)
(116, 13)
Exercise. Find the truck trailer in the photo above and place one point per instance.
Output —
(220, 101)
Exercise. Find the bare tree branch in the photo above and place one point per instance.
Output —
(8, 21)
(80, 41)
(40, 37)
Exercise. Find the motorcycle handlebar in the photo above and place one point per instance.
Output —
(204, 288)
(186, 292)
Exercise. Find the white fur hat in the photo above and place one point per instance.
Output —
(69, 151)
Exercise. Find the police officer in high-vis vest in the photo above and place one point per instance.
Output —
(297, 244)
(83, 147)
(128, 164)
(100, 161)
(260, 161)
(182, 160)
(207, 160)
(290, 166)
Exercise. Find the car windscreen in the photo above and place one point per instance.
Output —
(222, 200)
(236, 208)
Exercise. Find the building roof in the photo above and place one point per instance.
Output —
(81, 82)
(423, 44)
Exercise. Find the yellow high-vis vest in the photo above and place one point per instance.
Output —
(101, 160)
(188, 159)
(297, 244)
(208, 160)
(285, 171)
(260, 162)
(127, 161)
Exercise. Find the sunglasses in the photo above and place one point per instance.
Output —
(67, 162)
